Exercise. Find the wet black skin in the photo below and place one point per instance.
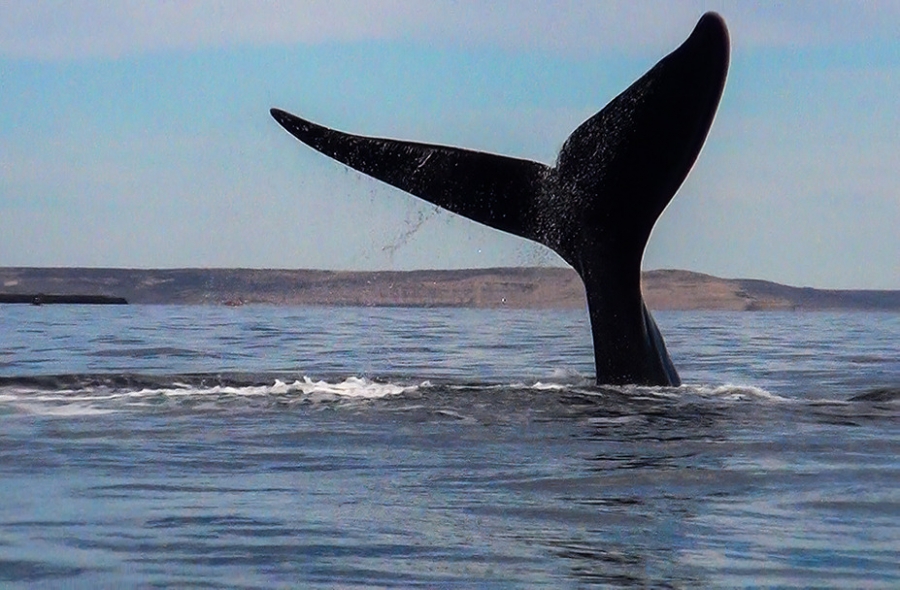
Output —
(596, 207)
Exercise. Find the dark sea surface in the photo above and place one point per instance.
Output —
(267, 447)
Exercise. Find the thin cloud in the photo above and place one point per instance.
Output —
(75, 30)
(50, 30)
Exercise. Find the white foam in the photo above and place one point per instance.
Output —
(352, 387)
(89, 401)
(725, 392)
(541, 386)
(102, 400)
(734, 392)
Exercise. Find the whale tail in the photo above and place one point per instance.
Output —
(596, 207)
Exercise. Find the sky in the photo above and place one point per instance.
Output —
(137, 134)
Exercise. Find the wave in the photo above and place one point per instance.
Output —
(72, 395)
(96, 394)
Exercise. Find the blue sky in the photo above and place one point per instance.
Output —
(137, 134)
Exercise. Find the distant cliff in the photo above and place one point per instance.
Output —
(492, 287)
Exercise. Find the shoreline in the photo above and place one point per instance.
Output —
(515, 288)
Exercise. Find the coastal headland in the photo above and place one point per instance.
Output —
(523, 288)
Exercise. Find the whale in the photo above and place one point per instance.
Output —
(595, 207)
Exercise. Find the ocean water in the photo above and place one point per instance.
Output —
(267, 447)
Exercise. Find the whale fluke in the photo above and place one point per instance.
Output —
(596, 207)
